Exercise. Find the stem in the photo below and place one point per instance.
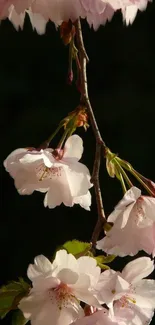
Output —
(53, 134)
(127, 179)
(99, 141)
(46, 143)
(100, 209)
(60, 144)
(141, 182)
(122, 183)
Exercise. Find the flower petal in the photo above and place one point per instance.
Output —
(11, 163)
(59, 191)
(130, 196)
(111, 286)
(31, 304)
(138, 269)
(42, 265)
(48, 312)
(84, 201)
(78, 178)
(88, 265)
(34, 156)
(100, 317)
(38, 22)
(129, 13)
(148, 206)
(144, 293)
(67, 276)
(63, 260)
(73, 147)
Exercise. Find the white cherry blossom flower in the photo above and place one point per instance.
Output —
(58, 288)
(62, 176)
(127, 294)
(97, 12)
(134, 226)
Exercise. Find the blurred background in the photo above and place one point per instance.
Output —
(34, 97)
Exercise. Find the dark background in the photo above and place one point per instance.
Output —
(34, 97)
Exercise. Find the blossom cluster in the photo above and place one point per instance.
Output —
(60, 175)
(97, 12)
(58, 288)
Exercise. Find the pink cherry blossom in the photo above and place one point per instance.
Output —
(134, 226)
(63, 178)
(127, 294)
(97, 12)
(59, 287)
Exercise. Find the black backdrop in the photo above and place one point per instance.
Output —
(34, 97)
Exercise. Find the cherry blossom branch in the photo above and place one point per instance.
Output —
(99, 141)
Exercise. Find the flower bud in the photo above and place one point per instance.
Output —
(67, 32)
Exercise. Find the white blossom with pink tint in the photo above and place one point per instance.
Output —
(130, 10)
(63, 177)
(134, 226)
(38, 22)
(127, 294)
(58, 288)
(97, 12)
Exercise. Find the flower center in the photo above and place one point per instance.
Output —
(139, 211)
(44, 172)
(61, 295)
(125, 300)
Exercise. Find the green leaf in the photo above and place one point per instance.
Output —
(15, 286)
(6, 302)
(105, 259)
(77, 248)
(11, 294)
(18, 318)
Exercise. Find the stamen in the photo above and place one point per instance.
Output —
(44, 172)
(61, 295)
(132, 300)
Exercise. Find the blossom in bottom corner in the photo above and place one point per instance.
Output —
(134, 226)
(101, 317)
(58, 288)
(127, 294)
(60, 175)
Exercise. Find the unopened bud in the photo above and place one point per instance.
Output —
(67, 31)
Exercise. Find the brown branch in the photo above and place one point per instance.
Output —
(99, 141)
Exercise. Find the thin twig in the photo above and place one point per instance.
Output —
(99, 141)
